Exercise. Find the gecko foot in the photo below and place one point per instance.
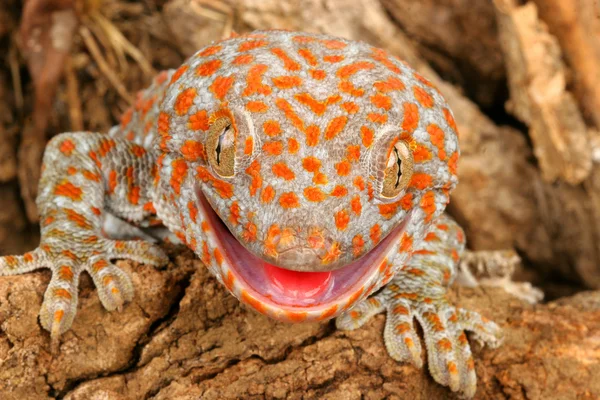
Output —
(448, 352)
(67, 258)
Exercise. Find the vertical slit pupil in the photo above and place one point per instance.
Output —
(218, 149)
(399, 162)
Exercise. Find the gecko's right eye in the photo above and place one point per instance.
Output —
(221, 147)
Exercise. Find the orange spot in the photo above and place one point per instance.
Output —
(125, 118)
(421, 180)
(67, 189)
(333, 253)
(254, 171)
(333, 58)
(273, 148)
(353, 152)
(105, 146)
(339, 191)
(328, 313)
(287, 82)
(289, 112)
(423, 97)
(421, 153)
(311, 164)
(381, 101)
(357, 245)
(382, 56)
(453, 163)
(342, 219)
(251, 301)
(218, 257)
(209, 51)
(377, 118)
(229, 280)
(410, 120)
(256, 106)
(184, 101)
(221, 86)
(316, 106)
(391, 84)
(288, 63)
(293, 146)
(62, 293)
(271, 128)
(199, 121)
(333, 44)
(375, 233)
(359, 183)
(163, 123)
(436, 135)
(296, 316)
(350, 107)
(318, 74)
(367, 136)
(208, 68)
(138, 151)
(78, 219)
(450, 119)
(254, 83)
(234, 216)
(267, 194)
(347, 71)
(403, 327)
(312, 135)
(289, 200)
(428, 205)
(356, 205)
(308, 56)
(314, 194)
(96, 211)
(243, 59)
(248, 145)
(281, 170)
(178, 173)
(58, 315)
(193, 150)
(335, 126)
(252, 44)
(343, 168)
(65, 273)
(67, 147)
(180, 71)
(193, 210)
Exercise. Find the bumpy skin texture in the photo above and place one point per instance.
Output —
(313, 122)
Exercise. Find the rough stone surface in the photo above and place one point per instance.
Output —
(185, 337)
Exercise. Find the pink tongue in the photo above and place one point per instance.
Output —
(298, 284)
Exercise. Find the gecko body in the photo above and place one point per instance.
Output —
(306, 171)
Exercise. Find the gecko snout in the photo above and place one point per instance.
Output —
(303, 248)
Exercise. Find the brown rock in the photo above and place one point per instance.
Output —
(206, 345)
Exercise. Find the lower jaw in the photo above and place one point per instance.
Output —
(262, 287)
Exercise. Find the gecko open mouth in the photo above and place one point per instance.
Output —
(286, 288)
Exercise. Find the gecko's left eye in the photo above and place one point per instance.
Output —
(221, 147)
(398, 170)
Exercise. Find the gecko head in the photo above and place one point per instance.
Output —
(303, 167)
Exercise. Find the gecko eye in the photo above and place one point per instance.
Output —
(221, 147)
(398, 171)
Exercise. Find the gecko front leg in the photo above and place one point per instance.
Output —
(418, 291)
(84, 175)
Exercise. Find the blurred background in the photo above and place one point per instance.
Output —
(522, 78)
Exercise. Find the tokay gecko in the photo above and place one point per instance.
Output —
(308, 173)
